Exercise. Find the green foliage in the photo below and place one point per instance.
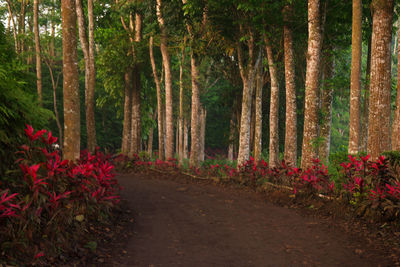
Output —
(18, 102)
(393, 158)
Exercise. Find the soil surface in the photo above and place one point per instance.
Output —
(178, 221)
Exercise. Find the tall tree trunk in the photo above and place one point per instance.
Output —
(37, 49)
(203, 118)
(53, 32)
(185, 139)
(326, 107)
(258, 114)
(14, 26)
(54, 84)
(379, 100)
(85, 49)
(126, 131)
(90, 118)
(231, 137)
(291, 108)
(159, 104)
(21, 27)
(396, 117)
(248, 75)
(180, 128)
(310, 132)
(364, 118)
(355, 88)
(150, 142)
(136, 142)
(72, 129)
(194, 127)
(169, 153)
(274, 109)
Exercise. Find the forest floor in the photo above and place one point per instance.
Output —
(175, 220)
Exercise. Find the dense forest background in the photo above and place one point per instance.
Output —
(148, 68)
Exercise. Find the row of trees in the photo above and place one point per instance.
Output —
(242, 54)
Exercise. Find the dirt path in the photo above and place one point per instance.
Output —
(183, 223)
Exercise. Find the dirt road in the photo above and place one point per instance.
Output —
(179, 222)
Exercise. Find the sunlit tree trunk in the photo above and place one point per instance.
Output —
(231, 136)
(379, 100)
(258, 114)
(180, 124)
(274, 109)
(291, 108)
(364, 117)
(37, 49)
(355, 88)
(203, 119)
(150, 141)
(89, 95)
(326, 107)
(247, 74)
(194, 127)
(169, 152)
(72, 130)
(160, 121)
(396, 117)
(310, 132)
(11, 16)
(185, 139)
(21, 27)
(126, 131)
(90, 103)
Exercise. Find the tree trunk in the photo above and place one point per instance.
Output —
(37, 50)
(90, 105)
(310, 132)
(180, 128)
(274, 109)
(355, 88)
(379, 100)
(54, 84)
(194, 127)
(126, 131)
(136, 139)
(258, 114)
(160, 116)
(14, 26)
(203, 118)
(150, 141)
(72, 130)
(185, 139)
(231, 136)
(21, 27)
(396, 117)
(291, 108)
(364, 118)
(89, 95)
(247, 74)
(326, 107)
(169, 153)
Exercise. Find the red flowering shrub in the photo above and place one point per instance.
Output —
(52, 200)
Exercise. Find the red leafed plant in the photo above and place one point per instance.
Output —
(40, 205)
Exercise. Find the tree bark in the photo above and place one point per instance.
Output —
(290, 154)
(169, 153)
(180, 128)
(72, 130)
(379, 100)
(247, 74)
(355, 88)
(274, 109)
(90, 103)
(364, 118)
(203, 118)
(258, 114)
(185, 139)
(326, 107)
(136, 139)
(194, 127)
(37, 50)
(396, 117)
(160, 116)
(310, 132)
(89, 76)
(126, 131)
